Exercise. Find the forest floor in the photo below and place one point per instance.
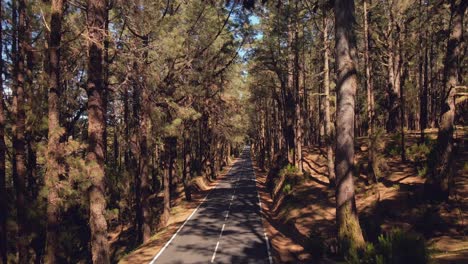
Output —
(300, 222)
(124, 252)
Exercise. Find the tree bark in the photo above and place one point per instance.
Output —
(326, 85)
(393, 89)
(3, 195)
(402, 73)
(289, 100)
(297, 102)
(349, 230)
(54, 151)
(441, 168)
(186, 169)
(19, 125)
(370, 97)
(167, 184)
(97, 10)
(423, 76)
(145, 229)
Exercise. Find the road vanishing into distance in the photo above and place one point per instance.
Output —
(226, 227)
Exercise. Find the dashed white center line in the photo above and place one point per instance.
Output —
(214, 254)
(225, 219)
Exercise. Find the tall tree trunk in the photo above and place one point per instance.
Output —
(440, 167)
(422, 71)
(297, 102)
(167, 184)
(393, 89)
(54, 151)
(97, 10)
(3, 196)
(186, 169)
(145, 229)
(289, 102)
(19, 115)
(370, 98)
(402, 73)
(349, 230)
(326, 85)
(262, 135)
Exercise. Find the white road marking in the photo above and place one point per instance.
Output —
(270, 259)
(214, 254)
(177, 232)
(185, 222)
(224, 224)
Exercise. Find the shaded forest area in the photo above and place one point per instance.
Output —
(359, 130)
(114, 111)
(110, 111)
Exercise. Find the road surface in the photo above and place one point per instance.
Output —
(226, 227)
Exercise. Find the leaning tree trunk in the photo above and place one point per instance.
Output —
(97, 10)
(326, 85)
(441, 169)
(54, 134)
(349, 230)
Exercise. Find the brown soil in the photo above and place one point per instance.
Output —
(395, 202)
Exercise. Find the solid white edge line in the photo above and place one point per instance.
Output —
(186, 220)
(270, 259)
(267, 241)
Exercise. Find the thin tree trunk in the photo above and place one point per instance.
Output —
(402, 73)
(326, 85)
(144, 157)
(289, 106)
(3, 196)
(166, 179)
(19, 115)
(370, 98)
(55, 132)
(441, 169)
(423, 78)
(349, 230)
(393, 89)
(186, 169)
(97, 10)
(402, 125)
(297, 102)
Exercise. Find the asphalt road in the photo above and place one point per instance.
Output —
(226, 227)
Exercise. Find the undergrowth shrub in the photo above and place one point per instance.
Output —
(290, 177)
(315, 244)
(393, 147)
(395, 247)
(378, 146)
(279, 161)
(288, 170)
(418, 152)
